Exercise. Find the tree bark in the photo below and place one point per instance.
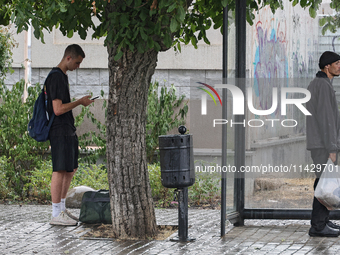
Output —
(132, 207)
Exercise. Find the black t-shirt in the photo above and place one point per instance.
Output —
(57, 87)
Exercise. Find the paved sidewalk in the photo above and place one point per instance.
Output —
(25, 230)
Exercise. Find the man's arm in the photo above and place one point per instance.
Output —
(326, 119)
(59, 108)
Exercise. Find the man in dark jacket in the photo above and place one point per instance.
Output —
(323, 134)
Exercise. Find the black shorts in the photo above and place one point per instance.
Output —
(64, 153)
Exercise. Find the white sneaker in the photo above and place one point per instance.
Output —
(63, 220)
(69, 214)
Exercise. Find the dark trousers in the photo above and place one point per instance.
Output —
(320, 214)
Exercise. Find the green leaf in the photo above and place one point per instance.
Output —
(70, 34)
(322, 22)
(142, 33)
(167, 40)
(172, 7)
(37, 33)
(124, 20)
(324, 29)
(157, 46)
(150, 43)
(131, 46)
(82, 33)
(143, 15)
(249, 19)
(193, 40)
(303, 3)
(206, 40)
(173, 25)
(62, 7)
(312, 12)
(179, 47)
(224, 3)
(180, 13)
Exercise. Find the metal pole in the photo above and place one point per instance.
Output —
(224, 116)
(183, 217)
(27, 56)
(292, 214)
(240, 23)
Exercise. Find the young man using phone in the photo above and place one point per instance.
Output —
(63, 138)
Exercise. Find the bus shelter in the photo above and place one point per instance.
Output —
(238, 213)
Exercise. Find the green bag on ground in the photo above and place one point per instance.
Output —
(95, 207)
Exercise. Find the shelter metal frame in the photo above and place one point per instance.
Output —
(238, 216)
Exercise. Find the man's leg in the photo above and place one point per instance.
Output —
(65, 187)
(321, 226)
(319, 213)
(56, 186)
(67, 182)
(64, 156)
(59, 179)
(60, 184)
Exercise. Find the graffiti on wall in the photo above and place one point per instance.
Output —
(284, 47)
(271, 62)
(304, 49)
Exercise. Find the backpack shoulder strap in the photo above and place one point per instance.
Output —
(44, 90)
(57, 70)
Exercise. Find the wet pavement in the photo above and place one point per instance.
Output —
(26, 230)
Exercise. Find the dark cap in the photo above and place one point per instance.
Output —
(327, 58)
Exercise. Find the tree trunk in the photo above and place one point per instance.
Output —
(132, 207)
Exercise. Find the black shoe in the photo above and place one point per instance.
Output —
(333, 225)
(326, 232)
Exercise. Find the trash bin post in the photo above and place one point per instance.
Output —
(177, 171)
(183, 217)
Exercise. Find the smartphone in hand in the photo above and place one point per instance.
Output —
(93, 98)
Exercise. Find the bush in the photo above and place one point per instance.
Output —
(205, 189)
(162, 195)
(25, 167)
(6, 45)
(163, 114)
(94, 176)
(4, 189)
(40, 179)
(39, 186)
(21, 154)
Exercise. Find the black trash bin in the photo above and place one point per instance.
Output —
(178, 171)
(177, 161)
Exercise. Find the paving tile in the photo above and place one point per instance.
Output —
(25, 230)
